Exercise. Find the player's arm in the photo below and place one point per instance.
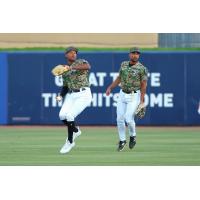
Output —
(143, 90)
(63, 92)
(143, 84)
(113, 85)
(83, 66)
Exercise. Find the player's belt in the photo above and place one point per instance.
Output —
(129, 92)
(76, 90)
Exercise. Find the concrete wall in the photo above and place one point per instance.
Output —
(79, 39)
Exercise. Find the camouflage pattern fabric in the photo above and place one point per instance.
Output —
(131, 76)
(140, 111)
(76, 79)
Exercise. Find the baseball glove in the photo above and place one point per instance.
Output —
(59, 70)
(140, 111)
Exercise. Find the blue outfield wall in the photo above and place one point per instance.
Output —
(28, 88)
(3, 88)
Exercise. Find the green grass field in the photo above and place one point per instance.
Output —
(156, 146)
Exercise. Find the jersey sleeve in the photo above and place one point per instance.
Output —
(63, 91)
(83, 61)
(144, 74)
(120, 69)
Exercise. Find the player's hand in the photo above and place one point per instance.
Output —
(108, 91)
(59, 98)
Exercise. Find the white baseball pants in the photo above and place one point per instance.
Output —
(74, 103)
(126, 107)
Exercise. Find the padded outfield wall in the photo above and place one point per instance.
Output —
(28, 89)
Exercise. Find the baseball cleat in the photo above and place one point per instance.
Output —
(67, 147)
(121, 145)
(76, 134)
(132, 142)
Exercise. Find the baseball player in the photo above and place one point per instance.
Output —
(133, 80)
(76, 95)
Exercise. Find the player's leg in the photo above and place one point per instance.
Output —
(121, 110)
(67, 104)
(65, 109)
(132, 133)
(81, 100)
(129, 117)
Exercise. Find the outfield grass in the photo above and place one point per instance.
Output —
(97, 146)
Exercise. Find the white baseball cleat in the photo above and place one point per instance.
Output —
(76, 134)
(67, 147)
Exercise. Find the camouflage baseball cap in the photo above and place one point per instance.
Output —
(68, 49)
(135, 49)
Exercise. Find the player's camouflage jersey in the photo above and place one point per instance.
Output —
(131, 76)
(76, 79)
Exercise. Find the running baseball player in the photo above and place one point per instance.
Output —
(133, 79)
(76, 95)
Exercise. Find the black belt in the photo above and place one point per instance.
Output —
(76, 90)
(129, 92)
